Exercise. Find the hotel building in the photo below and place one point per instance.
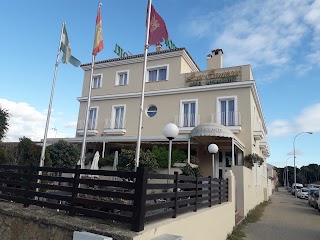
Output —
(217, 105)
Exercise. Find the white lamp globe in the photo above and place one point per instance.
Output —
(213, 148)
(170, 131)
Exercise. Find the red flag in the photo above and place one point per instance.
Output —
(98, 40)
(158, 30)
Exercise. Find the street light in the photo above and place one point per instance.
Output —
(170, 131)
(294, 161)
(287, 173)
(213, 149)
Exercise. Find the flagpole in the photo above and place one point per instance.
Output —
(143, 87)
(83, 148)
(42, 157)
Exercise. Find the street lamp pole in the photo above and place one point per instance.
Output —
(170, 131)
(213, 149)
(294, 160)
(287, 172)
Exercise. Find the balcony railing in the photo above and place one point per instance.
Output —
(227, 118)
(187, 120)
(92, 127)
(115, 126)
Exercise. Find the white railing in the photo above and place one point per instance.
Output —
(112, 123)
(187, 120)
(226, 118)
(91, 125)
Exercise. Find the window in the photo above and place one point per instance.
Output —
(156, 74)
(227, 112)
(97, 81)
(122, 78)
(92, 122)
(152, 111)
(189, 113)
(118, 121)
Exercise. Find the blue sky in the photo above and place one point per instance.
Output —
(280, 39)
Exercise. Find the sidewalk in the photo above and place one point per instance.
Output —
(286, 218)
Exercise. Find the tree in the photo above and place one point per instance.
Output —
(4, 123)
(28, 152)
(63, 154)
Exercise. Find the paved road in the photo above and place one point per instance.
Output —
(286, 218)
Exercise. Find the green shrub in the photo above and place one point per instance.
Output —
(126, 161)
(253, 158)
(161, 154)
(106, 161)
(190, 171)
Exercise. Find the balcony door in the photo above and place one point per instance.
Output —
(92, 119)
(119, 117)
(227, 112)
(189, 114)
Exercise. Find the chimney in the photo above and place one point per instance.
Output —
(214, 60)
(159, 48)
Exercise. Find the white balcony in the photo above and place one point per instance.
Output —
(114, 126)
(91, 130)
(263, 145)
(186, 122)
(258, 135)
(232, 120)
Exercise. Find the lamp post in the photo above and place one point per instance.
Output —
(294, 160)
(213, 148)
(287, 173)
(170, 131)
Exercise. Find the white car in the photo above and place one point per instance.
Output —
(303, 193)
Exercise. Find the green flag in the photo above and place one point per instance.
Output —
(65, 48)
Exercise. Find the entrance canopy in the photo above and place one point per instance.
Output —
(207, 132)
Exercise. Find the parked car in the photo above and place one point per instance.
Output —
(318, 200)
(311, 191)
(314, 200)
(289, 189)
(294, 190)
(303, 193)
(311, 185)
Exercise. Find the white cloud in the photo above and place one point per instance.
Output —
(27, 121)
(262, 33)
(307, 120)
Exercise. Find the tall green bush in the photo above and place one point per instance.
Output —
(161, 154)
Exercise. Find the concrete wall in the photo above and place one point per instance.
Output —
(207, 224)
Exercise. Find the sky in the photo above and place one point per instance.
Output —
(279, 39)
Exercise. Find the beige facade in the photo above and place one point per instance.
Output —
(223, 102)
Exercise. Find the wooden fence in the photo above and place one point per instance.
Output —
(134, 198)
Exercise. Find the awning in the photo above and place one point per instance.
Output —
(214, 130)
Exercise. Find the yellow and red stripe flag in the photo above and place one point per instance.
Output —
(98, 39)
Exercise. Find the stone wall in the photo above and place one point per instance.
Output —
(36, 223)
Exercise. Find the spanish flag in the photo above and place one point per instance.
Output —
(98, 39)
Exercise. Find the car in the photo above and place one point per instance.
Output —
(295, 188)
(310, 193)
(303, 193)
(314, 200)
(318, 200)
(289, 189)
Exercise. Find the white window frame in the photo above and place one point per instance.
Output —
(101, 77)
(96, 120)
(181, 122)
(218, 106)
(146, 111)
(113, 115)
(116, 82)
(157, 68)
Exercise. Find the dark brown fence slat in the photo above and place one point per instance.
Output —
(103, 215)
(206, 179)
(13, 182)
(122, 184)
(160, 185)
(12, 190)
(155, 196)
(100, 203)
(14, 174)
(187, 178)
(53, 178)
(54, 169)
(109, 173)
(161, 205)
(12, 198)
(35, 185)
(106, 193)
(14, 167)
(160, 176)
(51, 195)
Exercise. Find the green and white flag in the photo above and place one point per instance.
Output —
(65, 48)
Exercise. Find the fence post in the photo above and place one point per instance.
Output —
(27, 190)
(220, 197)
(176, 182)
(210, 191)
(196, 205)
(139, 202)
(72, 211)
(227, 189)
